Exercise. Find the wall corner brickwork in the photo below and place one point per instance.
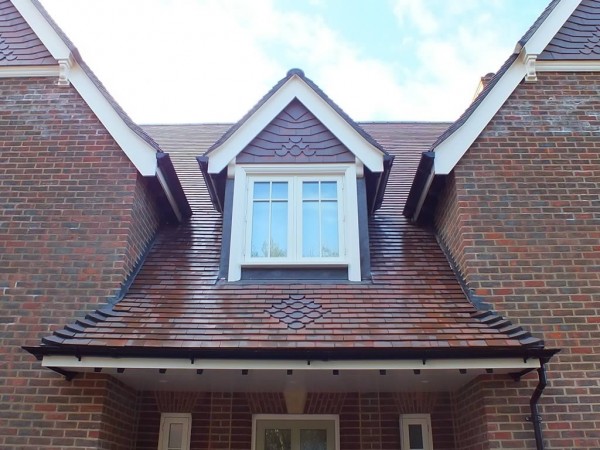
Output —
(521, 217)
(74, 218)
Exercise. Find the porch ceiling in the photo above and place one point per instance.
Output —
(293, 375)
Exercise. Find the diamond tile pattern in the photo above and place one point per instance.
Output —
(414, 300)
(296, 312)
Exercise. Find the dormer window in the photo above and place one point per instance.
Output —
(299, 216)
(295, 181)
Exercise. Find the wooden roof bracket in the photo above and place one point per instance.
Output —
(64, 71)
(65, 373)
(530, 69)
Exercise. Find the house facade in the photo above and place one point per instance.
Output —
(297, 279)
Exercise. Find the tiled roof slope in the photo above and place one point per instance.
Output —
(19, 45)
(579, 38)
(177, 303)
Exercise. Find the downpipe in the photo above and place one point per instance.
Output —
(535, 417)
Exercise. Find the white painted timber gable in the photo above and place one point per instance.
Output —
(449, 152)
(140, 152)
(295, 88)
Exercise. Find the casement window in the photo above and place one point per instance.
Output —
(294, 220)
(295, 217)
(415, 432)
(175, 431)
(295, 432)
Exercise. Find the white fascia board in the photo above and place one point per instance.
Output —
(549, 27)
(44, 31)
(141, 153)
(29, 71)
(450, 151)
(90, 362)
(567, 66)
(370, 155)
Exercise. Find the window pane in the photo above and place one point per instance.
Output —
(310, 229)
(259, 246)
(310, 190)
(329, 229)
(261, 190)
(415, 437)
(279, 216)
(175, 436)
(313, 439)
(278, 439)
(329, 190)
(280, 191)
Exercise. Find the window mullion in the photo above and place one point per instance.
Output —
(296, 235)
(320, 220)
(270, 219)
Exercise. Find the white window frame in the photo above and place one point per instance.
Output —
(167, 419)
(349, 245)
(416, 419)
(259, 421)
(294, 232)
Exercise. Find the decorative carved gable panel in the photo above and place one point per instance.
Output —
(295, 136)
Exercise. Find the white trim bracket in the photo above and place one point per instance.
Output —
(64, 70)
(530, 69)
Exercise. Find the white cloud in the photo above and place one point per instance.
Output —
(212, 60)
(416, 12)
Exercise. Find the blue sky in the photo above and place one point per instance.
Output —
(185, 61)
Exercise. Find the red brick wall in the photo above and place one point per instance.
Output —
(367, 421)
(521, 217)
(74, 216)
(119, 416)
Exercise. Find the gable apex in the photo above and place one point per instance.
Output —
(295, 86)
(450, 147)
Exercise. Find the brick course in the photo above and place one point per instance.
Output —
(74, 219)
(367, 420)
(521, 217)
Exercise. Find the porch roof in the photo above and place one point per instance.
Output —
(176, 303)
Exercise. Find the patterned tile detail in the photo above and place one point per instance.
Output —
(296, 312)
(295, 147)
(5, 51)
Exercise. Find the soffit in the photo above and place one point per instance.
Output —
(282, 375)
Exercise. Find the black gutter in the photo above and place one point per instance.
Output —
(165, 165)
(424, 171)
(210, 183)
(536, 418)
(388, 160)
(53, 346)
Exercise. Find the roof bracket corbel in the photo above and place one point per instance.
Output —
(530, 70)
(65, 373)
(516, 376)
(64, 70)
